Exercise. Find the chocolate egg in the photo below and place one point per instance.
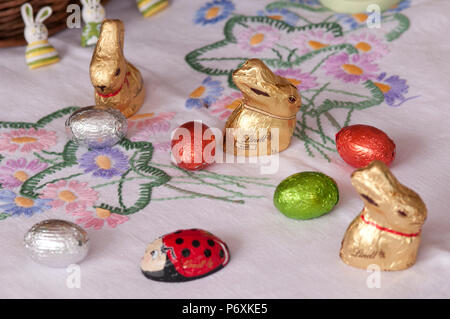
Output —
(359, 145)
(56, 243)
(96, 126)
(193, 146)
(306, 195)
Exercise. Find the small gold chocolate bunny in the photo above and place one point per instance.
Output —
(387, 232)
(270, 102)
(117, 83)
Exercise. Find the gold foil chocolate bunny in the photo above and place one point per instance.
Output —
(117, 83)
(387, 232)
(265, 120)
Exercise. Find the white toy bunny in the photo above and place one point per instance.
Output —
(39, 52)
(93, 14)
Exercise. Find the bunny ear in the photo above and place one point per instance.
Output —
(84, 2)
(378, 173)
(27, 13)
(97, 1)
(43, 14)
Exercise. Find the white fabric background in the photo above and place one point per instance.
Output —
(271, 256)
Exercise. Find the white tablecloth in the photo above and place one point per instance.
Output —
(271, 256)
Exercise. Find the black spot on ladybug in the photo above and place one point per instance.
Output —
(207, 253)
(195, 243)
(211, 242)
(179, 241)
(221, 253)
(186, 252)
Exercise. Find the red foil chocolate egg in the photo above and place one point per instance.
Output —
(193, 146)
(359, 145)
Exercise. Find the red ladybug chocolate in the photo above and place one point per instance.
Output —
(184, 255)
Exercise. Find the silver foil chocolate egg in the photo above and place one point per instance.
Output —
(96, 126)
(56, 243)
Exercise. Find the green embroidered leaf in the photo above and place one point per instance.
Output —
(402, 26)
(310, 7)
(327, 110)
(138, 193)
(375, 97)
(46, 120)
(220, 57)
(149, 177)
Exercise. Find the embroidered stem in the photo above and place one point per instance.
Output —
(240, 201)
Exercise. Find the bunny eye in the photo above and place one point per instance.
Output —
(292, 99)
(369, 200)
(117, 72)
(402, 213)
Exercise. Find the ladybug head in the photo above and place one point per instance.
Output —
(167, 274)
(156, 266)
(155, 257)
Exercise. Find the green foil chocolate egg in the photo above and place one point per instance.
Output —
(306, 195)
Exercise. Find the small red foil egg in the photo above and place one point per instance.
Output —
(193, 146)
(359, 145)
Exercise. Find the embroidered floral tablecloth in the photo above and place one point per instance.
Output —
(395, 77)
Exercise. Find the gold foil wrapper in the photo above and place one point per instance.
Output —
(388, 230)
(117, 83)
(264, 122)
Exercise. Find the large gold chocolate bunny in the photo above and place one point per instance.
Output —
(117, 83)
(270, 102)
(387, 232)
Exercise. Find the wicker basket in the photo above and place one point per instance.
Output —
(12, 26)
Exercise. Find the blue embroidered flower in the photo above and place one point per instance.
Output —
(352, 21)
(16, 205)
(280, 14)
(213, 12)
(400, 6)
(205, 95)
(394, 89)
(104, 163)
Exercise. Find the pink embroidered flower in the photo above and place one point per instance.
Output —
(303, 81)
(226, 105)
(15, 172)
(97, 219)
(368, 43)
(315, 40)
(73, 195)
(139, 121)
(27, 140)
(351, 68)
(153, 129)
(258, 39)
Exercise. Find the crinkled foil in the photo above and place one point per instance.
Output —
(56, 243)
(359, 145)
(306, 195)
(96, 126)
(386, 234)
(117, 83)
(264, 122)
